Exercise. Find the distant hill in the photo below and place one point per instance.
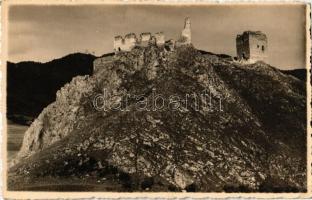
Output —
(298, 73)
(225, 56)
(32, 86)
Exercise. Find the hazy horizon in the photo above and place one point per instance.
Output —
(43, 33)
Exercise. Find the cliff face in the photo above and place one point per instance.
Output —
(249, 136)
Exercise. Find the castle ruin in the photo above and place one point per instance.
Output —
(251, 46)
(186, 32)
(145, 39)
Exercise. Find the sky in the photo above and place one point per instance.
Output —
(45, 32)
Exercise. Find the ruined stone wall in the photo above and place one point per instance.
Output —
(152, 41)
(160, 38)
(118, 43)
(125, 44)
(144, 39)
(170, 45)
(130, 41)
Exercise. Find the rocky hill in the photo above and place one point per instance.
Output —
(250, 136)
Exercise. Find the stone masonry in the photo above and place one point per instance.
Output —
(252, 46)
(130, 40)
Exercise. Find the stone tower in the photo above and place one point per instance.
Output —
(186, 32)
(252, 46)
(118, 43)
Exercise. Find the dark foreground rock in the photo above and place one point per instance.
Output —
(250, 135)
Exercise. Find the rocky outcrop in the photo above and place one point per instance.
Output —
(251, 131)
(58, 119)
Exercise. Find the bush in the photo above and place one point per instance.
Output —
(275, 184)
(147, 183)
(186, 56)
(191, 188)
(236, 188)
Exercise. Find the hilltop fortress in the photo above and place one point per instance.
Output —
(130, 40)
(251, 46)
